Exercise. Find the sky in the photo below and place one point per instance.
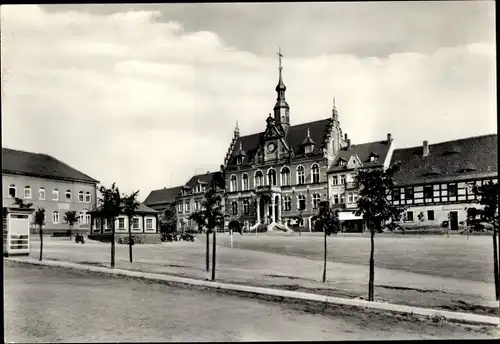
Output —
(148, 95)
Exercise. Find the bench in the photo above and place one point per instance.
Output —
(61, 234)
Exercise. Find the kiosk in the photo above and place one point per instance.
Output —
(16, 231)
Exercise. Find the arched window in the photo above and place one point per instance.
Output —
(300, 175)
(27, 191)
(315, 173)
(244, 181)
(259, 176)
(55, 217)
(12, 191)
(301, 202)
(315, 200)
(81, 217)
(285, 176)
(87, 197)
(80, 197)
(41, 193)
(55, 195)
(287, 203)
(233, 185)
(68, 195)
(234, 206)
(271, 177)
(246, 207)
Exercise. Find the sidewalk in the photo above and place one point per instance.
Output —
(376, 306)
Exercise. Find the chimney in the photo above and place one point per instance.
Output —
(348, 144)
(389, 138)
(345, 137)
(425, 148)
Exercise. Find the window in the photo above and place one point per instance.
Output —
(349, 197)
(245, 181)
(335, 180)
(179, 207)
(336, 199)
(196, 205)
(68, 195)
(246, 207)
(301, 202)
(285, 176)
(234, 206)
(300, 175)
(41, 193)
(409, 193)
(87, 197)
(342, 198)
(316, 200)
(55, 217)
(135, 223)
(341, 162)
(80, 218)
(121, 223)
(430, 215)
(428, 191)
(80, 196)
(342, 179)
(396, 195)
(149, 223)
(315, 173)
(309, 148)
(187, 206)
(12, 191)
(87, 219)
(409, 216)
(354, 197)
(258, 178)
(55, 195)
(271, 177)
(27, 192)
(287, 204)
(232, 185)
(452, 190)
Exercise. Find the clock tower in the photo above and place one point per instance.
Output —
(281, 108)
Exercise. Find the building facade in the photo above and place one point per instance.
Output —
(162, 199)
(49, 183)
(343, 190)
(279, 174)
(144, 221)
(436, 181)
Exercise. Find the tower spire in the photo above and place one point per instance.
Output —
(281, 108)
(236, 130)
(334, 111)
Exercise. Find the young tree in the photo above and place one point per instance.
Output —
(111, 208)
(20, 203)
(327, 221)
(211, 216)
(70, 218)
(130, 205)
(420, 217)
(198, 217)
(471, 221)
(488, 198)
(376, 208)
(40, 222)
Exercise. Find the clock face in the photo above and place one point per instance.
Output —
(271, 147)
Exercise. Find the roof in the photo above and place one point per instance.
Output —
(143, 209)
(294, 138)
(363, 151)
(162, 196)
(40, 165)
(457, 159)
(205, 178)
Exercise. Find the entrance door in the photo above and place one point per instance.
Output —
(453, 220)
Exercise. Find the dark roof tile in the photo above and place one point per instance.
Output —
(162, 196)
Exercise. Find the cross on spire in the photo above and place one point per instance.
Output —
(280, 56)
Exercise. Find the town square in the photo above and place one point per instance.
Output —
(210, 172)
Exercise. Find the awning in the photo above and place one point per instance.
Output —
(348, 215)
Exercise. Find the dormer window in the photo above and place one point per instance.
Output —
(372, 157)
(239, 160)
(308, 143)
(240, 155)
(341, 162)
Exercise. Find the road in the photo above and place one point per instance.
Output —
(46, 304)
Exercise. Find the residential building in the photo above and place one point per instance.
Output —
(437, 180)
(144, 221)
(343, 190)
(276, 175)
(191, 197)
(49, 183)
(162, 199)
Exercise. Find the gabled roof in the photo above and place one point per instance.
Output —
(205, 178)
(294, 139)
(40, 165)
(478, 153)
(162, 196)
(363, 151)
(142, 209)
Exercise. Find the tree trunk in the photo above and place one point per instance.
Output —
(324, 262)
(213, 256)
(112, 244)
(372, 266)
(130, 241)
(207, 257)
(41, 243)
(495, 263)
(70, 232)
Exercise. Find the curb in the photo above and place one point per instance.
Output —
(473, 319)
